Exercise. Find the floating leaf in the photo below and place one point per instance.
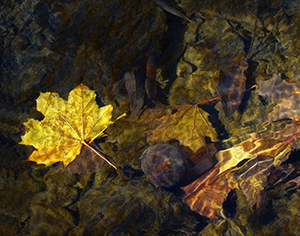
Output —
(67, 126)
(287, 95)
(188, 124)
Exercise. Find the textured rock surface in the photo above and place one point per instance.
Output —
(148, 210)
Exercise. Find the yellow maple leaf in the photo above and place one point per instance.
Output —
(188, 125)
(67, 126)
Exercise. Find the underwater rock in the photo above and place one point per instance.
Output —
(164, 164)
(9, 225)
(17, 192)
(50, 220)
(51, 209)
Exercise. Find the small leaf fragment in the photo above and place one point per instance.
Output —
(171, 10)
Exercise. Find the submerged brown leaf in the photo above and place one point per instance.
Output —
(279, 174)
(286, 96)
(208, 198)
(253, 176)
(285, 134)
(293, 184)
(135, 95)
(203, 160)
(262, 154)
(245, 166)
(231, 86)
(150, 81)
(86, 161)
(202, 181)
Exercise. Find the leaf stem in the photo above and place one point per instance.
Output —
(101, 132)
(209, 100)
(95, 151)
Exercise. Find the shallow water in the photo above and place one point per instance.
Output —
(54, 46)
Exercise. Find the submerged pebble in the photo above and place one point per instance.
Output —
(164, 164)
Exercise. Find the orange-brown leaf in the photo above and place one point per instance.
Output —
(285, 93)
(207, 193)
(208, 199)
